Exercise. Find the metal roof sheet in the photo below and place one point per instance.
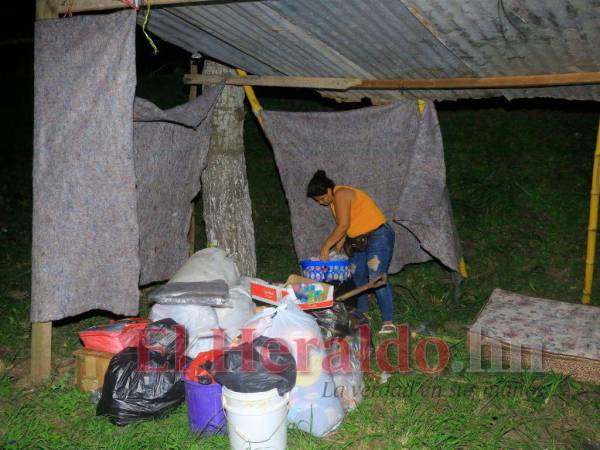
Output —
(381, 39)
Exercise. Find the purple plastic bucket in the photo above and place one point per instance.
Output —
(205, 410)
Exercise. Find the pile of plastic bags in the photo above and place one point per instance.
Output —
(196, 308)
(207, 293)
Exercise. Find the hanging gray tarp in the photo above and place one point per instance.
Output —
(171, 150)
(85, 231)
(393, 152)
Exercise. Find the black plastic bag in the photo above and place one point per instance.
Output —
(334, 321)
(149, 387)
(164, 336)
(230, 371)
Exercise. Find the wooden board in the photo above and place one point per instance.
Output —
(342, 84)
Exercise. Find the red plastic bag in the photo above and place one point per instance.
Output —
(114, 336)
(198, 370)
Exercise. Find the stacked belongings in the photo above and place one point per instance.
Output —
(309, 411)
(208, 297)
(294, 358)
(101, 343)
(257, 377)
(205, 294)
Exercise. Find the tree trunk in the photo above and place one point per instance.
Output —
(225, 194)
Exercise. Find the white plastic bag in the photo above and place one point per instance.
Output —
(233, 318)
(199, 321)
(349, 385)
(207, 265)
(310, 410)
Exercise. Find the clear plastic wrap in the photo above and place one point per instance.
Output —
(349, 384)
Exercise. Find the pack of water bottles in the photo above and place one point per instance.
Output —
(336, 268)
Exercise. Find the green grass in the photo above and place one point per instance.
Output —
(519, 178)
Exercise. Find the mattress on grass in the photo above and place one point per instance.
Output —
(546, 334)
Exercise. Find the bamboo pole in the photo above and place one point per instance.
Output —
(253, 100)
(41, 332)
(462, 268)
(342, 84)
(592, 225)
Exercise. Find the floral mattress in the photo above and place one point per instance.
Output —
(549, 325)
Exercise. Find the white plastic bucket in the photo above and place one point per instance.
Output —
(256, 420)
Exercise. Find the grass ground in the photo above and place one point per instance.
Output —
(518, 175)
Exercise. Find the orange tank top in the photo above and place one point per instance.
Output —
(365, 215)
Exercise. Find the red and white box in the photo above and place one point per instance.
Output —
(274, 294)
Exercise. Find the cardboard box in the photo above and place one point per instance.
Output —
(90, 369)
(273, 294)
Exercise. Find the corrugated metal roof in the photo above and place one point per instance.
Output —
(381, 39)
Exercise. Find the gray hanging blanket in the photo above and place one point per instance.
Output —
(393, 152)
(171, 150)
(85, 231)
(108, 195)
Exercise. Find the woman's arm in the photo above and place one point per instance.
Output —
(341, 201)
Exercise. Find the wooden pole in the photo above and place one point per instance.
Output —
(102, 5)
(342, 84)
(41, 332)
(592, 225)
(192, 230)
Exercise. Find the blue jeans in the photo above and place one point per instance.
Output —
(372, 263)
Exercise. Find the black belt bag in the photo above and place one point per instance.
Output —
(359, 243)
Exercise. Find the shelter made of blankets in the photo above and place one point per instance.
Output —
(114, 178)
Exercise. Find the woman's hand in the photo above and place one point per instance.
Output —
(324, 256)
(339, 247)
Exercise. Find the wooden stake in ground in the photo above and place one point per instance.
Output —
(41, 332)
(225, 193)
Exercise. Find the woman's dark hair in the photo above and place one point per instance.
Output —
(319, 184)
